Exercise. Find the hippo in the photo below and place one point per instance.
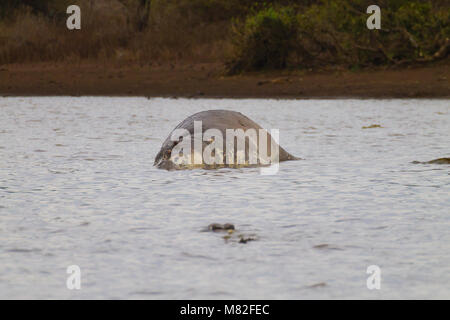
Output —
(209, 139)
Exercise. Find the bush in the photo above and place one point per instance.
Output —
(264, 40)
(292, 33)
(335, 33)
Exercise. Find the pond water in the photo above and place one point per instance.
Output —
(78, 187)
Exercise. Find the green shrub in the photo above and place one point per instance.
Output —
(263, 40)
(335, 32)
(288, 33)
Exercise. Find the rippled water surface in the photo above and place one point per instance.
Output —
(77, 187)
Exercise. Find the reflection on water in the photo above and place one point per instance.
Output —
(77, 186)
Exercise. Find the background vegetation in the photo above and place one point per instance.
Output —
(244, 35)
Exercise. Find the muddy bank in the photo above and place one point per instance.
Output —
(207, 80)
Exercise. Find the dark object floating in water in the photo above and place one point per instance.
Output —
(239, 238)
(218, 121)
(372, 126)
(435, 161)
(231, 235)
(220, 227)
(244, 239)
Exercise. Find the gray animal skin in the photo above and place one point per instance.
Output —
(213, 119)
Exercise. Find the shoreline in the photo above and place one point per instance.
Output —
(207, 81)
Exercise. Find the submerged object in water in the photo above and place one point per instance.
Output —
(219, 138)
(435, 161)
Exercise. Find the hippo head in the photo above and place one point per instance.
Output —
(162, 159)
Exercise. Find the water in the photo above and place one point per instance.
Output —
(77, 187)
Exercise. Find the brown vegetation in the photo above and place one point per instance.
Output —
(186, 47)
(242, 34)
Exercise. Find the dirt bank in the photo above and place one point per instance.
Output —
(207, 80)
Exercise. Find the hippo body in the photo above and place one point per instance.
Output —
(220, 120)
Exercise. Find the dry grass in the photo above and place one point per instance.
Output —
(199, 31)
(109, 34)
